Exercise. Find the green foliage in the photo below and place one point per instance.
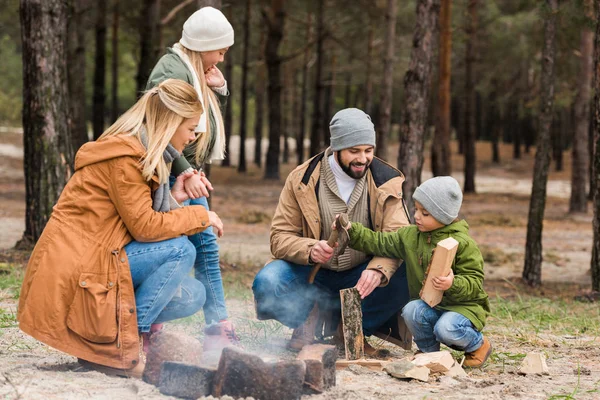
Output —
(11, 278)
(8, 319)
(11, 81)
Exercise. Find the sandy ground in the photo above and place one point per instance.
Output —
(497, 215)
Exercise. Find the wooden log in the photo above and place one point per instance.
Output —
(320, 366)
(354, 339)
(185, 380)
(440, 265)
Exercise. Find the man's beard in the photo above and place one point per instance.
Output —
(347, 168)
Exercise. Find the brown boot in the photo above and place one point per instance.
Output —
(305, 333)
(478, 357)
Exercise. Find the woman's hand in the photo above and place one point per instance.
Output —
(178, 190)
(216, 223)
(197, 186)
(214, 77)
(443, 282)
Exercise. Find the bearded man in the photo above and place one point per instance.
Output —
(345, 178)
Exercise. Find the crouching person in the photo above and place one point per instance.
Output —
(113, 263)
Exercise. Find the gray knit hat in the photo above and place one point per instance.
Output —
(351, 127)
(441, 196)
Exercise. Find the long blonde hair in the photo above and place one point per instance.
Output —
(160, 110)
(203, 141)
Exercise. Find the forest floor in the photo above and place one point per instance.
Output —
(546, 320)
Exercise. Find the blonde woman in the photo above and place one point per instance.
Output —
(112, 260)
(206, 37)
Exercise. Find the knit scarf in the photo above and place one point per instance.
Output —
(218, 150)
(161, 196)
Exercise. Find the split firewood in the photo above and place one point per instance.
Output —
(534, 363)
(405, 369)
(437, 361)
(440, 265)
(352, 324)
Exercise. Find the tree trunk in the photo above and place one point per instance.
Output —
(48, 149)
(149, 22)
(416, 89)
(440, 147)
(285, 112)
(493, 123)
(328, 104)
(244, 103)
(99, 96)
(228, 117)
(596, 159)
(259, 97)
(368, 72)
(115, 63)
(471, 97)
(348, 93)
(387, 82)
(580, 156)
(275, 22)
(532, 273)
(515, 128)
(302, 129)
(316, 133)
(76, 71)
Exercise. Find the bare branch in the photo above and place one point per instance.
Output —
(171, 14)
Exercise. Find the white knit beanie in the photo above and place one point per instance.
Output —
(207, 30)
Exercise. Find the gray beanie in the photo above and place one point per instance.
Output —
(351, 127)
(441, 197)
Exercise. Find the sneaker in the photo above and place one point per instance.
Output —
(305, 333)
(220, 335)
(146, 336)
(478, 357)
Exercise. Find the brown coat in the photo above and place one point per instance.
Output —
(77, 294)
(296, 225)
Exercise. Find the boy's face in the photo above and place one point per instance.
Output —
(425, 221)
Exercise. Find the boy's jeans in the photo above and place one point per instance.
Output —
(158, 270)
(282, 292)
(208, 271)
(431, 326)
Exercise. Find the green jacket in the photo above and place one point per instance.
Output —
(466, 295)
(171, 66)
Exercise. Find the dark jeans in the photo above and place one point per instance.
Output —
(282, 292)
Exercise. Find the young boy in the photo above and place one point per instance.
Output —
(458, 320)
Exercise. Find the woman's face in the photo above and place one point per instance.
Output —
(212, 58)
(185, 133)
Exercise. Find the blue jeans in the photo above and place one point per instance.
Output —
(282, 292)
(208, 271)
(431, 326)
(159, 270)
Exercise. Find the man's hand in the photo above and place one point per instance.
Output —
(443, 282)
(369, 280)
(321, 252)
(216, 223)
(178, 191)
(214, 77)
(197, 185)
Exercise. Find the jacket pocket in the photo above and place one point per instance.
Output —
(93, 313)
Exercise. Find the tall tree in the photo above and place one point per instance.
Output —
(369, 70)
(149, 37)
(416, 88)
(329, 97)
(304, 95)
(274, 19)
(580, 157)
(228, 117)
(440, 147)
(596, 159)
(244, 103)
(259, 96)
(387, 81)
(48, 150)
(532, 272)
(115, 63)
(76, 70)
(99, 97)
(316, 133)
(470, 104)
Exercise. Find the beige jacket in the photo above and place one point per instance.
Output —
(77, 294)
(296, 226)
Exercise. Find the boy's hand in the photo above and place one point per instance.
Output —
(178, 190)
(216, 223)
(336, 221)
(197, 185)
(321, 252)
(369, 280)
(443, 282)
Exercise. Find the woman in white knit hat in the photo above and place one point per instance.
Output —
(206, 37)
